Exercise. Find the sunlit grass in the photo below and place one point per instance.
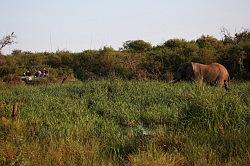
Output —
(116, 122)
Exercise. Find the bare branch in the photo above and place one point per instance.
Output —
(7, 40)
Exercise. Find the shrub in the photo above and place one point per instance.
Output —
(13, 79)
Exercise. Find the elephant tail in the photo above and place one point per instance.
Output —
(226, 83)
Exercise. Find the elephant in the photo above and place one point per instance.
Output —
(213, 74)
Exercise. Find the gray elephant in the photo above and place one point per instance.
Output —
(214, 74)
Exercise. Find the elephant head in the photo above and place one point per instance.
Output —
(184, 72)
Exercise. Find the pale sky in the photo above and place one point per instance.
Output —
(76, 25)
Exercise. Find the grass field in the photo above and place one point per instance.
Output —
(116, 122)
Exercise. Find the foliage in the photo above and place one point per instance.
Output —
(137, 46)
(138, 59)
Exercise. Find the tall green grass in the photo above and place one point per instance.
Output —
(116, 122)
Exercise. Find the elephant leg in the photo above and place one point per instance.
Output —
(200, 81)
(223, 83)
(219, 83)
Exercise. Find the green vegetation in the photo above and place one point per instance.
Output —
(137, 59)
(114, 118)
(117, 122)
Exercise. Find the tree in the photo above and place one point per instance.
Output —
(137, 46)
(175, 43)
(209, 41)
(227, 37)
(237, 53)
(7, 40)
(16, 52)
(242, 36)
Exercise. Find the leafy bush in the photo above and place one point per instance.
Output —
(137, 46)
(139, 59)
(12, 79)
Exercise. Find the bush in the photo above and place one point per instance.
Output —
(138, 46)
(138, 59)
(13, 79)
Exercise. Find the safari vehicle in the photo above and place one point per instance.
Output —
(38, 76)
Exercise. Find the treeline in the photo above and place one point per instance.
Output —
(137, 59)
